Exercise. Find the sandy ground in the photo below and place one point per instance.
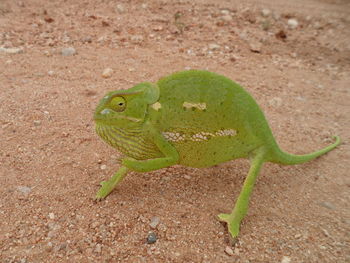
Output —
(52, 161)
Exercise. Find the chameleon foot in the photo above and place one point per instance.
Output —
(232, 226)
(108, 186)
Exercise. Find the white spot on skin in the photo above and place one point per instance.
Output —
(189, 105)
(198, 137)
(174, 136)
(156, 106)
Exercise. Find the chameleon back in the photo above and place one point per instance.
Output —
(207, 118)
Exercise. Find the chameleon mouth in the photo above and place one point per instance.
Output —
(102, 115)
(107, 114)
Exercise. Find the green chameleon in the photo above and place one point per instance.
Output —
(192, 118)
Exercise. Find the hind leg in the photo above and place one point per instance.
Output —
(234, 219)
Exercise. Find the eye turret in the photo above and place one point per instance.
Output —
(118, 104)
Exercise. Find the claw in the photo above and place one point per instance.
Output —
(232, 226)
(106, 189)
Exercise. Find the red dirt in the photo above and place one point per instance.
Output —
(51, 158)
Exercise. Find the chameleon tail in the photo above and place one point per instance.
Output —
(285, 158)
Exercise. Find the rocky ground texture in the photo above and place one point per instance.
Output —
(58, 58)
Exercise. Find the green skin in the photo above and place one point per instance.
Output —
(192, 118)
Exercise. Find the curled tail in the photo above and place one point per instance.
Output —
(285, 158)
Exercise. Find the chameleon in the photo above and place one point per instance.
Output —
(193, 118)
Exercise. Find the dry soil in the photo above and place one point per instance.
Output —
(292, 56)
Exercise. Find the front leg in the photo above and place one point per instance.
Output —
(108, 186)
(171, 157)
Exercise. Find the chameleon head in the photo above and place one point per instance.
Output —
(125, 109)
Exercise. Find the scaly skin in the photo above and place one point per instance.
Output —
(192, 118)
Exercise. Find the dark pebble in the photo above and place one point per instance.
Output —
(151, 238)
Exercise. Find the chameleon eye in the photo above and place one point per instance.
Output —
(118, 104)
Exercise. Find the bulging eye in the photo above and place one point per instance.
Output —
(118, 104)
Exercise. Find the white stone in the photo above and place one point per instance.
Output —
(24, 189)
(225, 11)
(275, 102)
(266, 12)
(229, 251)
(214, 46)
(227, 18)
(12, 50)
(107, 73)
(52, 216)
(154, 222)
(137, 39)
(69, 51)
(286, 259)
(293, 23)
(120, 8)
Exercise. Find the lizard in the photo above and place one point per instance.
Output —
(193, 118)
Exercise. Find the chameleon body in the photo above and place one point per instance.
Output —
(192, 118)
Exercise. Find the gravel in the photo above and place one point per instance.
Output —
(13, 50)
(214, 46)
(286, 259)
(229, 251)
(107, 73)
(154, 222)
(69, 51)
(151, 238)
(266, 12)
(24, 189)
(293, 23)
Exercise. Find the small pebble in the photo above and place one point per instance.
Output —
(98, 248)
(275, 102)
(37, 122)
(86, 39)
(50, 72)
(49, 246)
(69, 51)
(255, 46)
(327, 205)
(214, 46)
(151, 238)
(60, 247)
(13, 50)
(158, 28)
(154, 222)
(229, 251)
(136, 39)
(52, 216)
(103, 167)
(286, 259)
(292, 23)
(120, 8)
(266, 12)
(24, 189)
(225, 11)
(107, 73)
(226, 18)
